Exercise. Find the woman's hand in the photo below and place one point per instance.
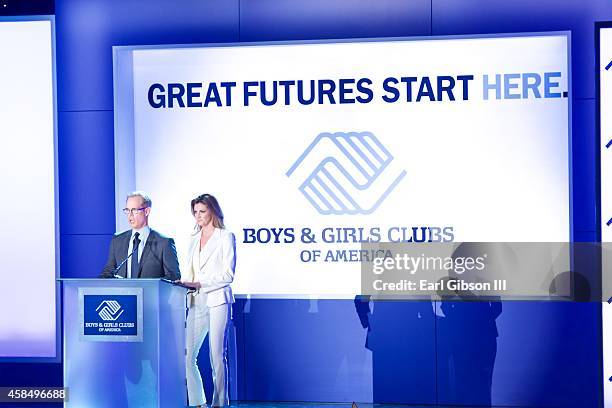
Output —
(194, 285)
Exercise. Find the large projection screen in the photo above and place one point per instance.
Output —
(313, 147)
(28, 212)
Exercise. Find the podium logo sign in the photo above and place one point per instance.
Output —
(110, 315)
(114, 315)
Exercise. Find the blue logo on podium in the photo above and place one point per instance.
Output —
(110, 315)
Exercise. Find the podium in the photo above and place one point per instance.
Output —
(124, 343)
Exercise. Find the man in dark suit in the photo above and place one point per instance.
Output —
(149, 254)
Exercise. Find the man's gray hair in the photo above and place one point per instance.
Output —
(146, 200)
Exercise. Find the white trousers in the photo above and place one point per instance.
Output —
(214, 322)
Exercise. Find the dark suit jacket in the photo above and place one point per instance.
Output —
(158, 259)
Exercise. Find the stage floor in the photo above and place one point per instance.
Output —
(283, 405)
(336, 405)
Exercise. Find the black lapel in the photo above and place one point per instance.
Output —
(124, 243)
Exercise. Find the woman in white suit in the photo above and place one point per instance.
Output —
(210, 270)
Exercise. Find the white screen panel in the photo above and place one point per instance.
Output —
(489, 163)
(27, 173)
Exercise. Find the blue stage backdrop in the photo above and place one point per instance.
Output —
(290, 349)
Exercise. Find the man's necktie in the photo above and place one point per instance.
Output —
(134, 273)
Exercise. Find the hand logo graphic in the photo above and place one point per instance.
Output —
(345, 173)
(109, 310)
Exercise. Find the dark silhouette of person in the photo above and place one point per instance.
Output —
(467, 333)
(399, 335)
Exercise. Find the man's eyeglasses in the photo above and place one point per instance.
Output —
(133, 211)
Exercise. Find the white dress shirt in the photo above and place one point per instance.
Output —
(144, 234)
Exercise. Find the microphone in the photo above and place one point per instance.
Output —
(115, 275)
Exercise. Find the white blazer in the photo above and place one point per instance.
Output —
(217, 267)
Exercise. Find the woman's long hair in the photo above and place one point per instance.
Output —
(212, 205)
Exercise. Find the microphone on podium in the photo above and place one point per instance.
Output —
(115, 275)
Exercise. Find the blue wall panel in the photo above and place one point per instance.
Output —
(499, 16)
(86, 173)
(301, 350)
(586, 236)
(30, 375)
(545, 355)
(267, 20)
(87, 30)
(335, 350)
(585, 149)
(83, 256)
